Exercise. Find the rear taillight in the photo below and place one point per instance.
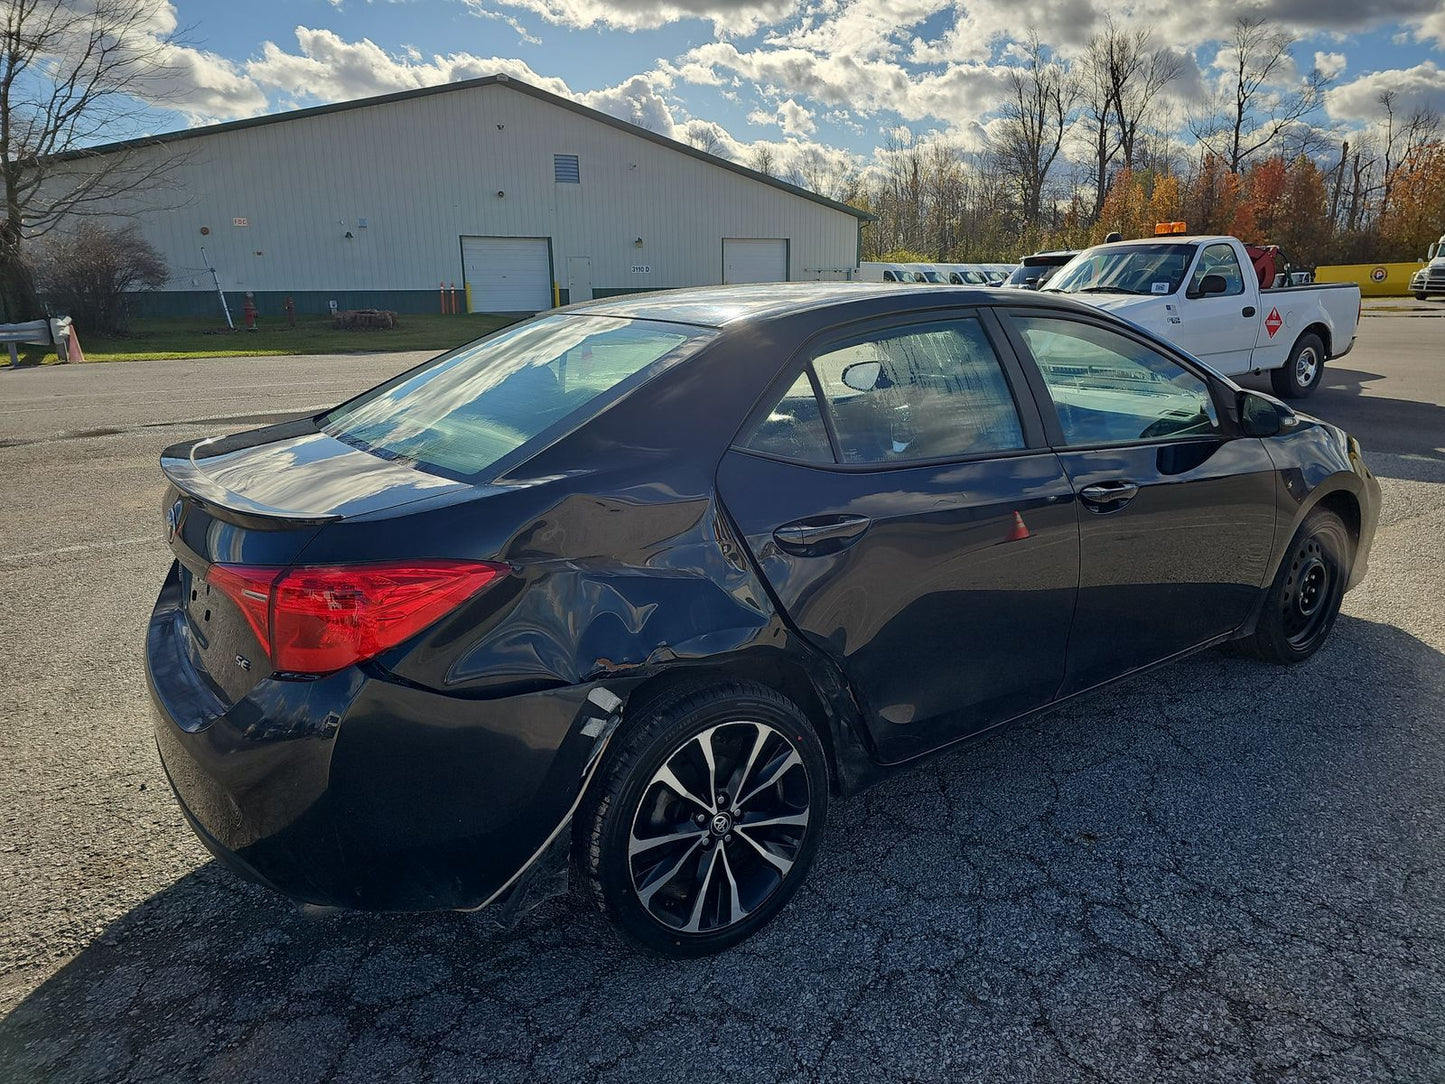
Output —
(318, 620)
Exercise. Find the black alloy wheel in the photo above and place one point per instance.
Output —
(706, 820)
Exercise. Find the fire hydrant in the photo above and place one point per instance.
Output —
(248, 311)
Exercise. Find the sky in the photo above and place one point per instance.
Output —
(832, 75)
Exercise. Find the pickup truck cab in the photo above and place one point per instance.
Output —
(1430, 279)
(1203, 294)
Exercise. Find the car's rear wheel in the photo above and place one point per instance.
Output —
(705, 818)
(1302, 373)
(1303, 602)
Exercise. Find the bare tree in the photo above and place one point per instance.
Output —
(1137, 75)
(1402, 138)
(828, 175)
(763, 160)
(1251, 113)
(1035, 118)
(70, 74)
(91, 269)
(704, 137)
(1096, 113)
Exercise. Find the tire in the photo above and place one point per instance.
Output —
(765, 753)
(1422, 297)
(1302, 604)
(1301, 375)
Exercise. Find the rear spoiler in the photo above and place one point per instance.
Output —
(188, 476)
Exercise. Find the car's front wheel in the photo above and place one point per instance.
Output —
(704, 819)
(1304, 600)
(1301, 374)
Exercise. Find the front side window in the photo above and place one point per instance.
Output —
(1219, 260)
(927, 391)
(469, 409)
(1110, 389)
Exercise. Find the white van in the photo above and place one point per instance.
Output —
(886, 272)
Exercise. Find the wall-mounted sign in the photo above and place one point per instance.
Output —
(240, 222)
(642, 269)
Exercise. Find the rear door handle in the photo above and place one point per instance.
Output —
(1109, 496)
(1248, 311)
(822, 534)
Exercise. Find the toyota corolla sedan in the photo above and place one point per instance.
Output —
(626, 593)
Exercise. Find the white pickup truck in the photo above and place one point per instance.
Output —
(1430, 279)
(1204, 295)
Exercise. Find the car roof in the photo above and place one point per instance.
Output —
(721, 306)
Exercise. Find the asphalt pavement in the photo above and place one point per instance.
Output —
(1220, 871)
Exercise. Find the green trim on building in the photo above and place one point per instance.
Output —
(271, 303)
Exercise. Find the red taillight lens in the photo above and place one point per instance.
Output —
(317, 620)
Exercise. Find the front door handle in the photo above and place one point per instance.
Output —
(820, 535)
(1248, 311)
(1109, 496)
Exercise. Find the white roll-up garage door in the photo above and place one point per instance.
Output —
(755, 259)
(508, 274)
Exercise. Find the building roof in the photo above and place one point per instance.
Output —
(472, 84)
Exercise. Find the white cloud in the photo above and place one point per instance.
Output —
(795, 120)
(1358, 101)
(727, 16)
(1330, 65)
(330, 69)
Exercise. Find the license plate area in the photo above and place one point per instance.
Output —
(198, 609)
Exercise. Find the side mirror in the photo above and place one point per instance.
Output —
(1261, 416)
(862, 375)
(1210, 285)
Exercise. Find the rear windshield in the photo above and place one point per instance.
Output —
(467, 410)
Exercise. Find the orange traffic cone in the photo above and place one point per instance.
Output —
(72, 346)
(1020, 529)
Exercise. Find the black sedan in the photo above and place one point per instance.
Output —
(629, 590)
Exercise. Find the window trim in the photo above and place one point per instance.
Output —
(1054, 430)
(1015, 374)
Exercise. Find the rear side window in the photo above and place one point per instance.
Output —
(467, 410)
(926, 391)
(1109, 389)
(794, 429)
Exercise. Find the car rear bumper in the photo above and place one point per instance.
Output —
(358, 790)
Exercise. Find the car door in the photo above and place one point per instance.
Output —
(914, 526)
(1177, 510)
(1220, 329)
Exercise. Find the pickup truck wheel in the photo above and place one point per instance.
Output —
(1301, 374)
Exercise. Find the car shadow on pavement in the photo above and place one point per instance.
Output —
(1407, 430)
(1220, 871)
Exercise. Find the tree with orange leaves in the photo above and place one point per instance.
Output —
(1416, 215)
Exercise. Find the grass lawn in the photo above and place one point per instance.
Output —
(207, 337)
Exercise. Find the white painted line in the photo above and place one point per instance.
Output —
(86, 547)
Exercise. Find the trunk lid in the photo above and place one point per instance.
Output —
(258, 499)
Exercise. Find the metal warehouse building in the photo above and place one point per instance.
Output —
(519, 197)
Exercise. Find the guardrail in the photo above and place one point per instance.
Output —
(53, 333)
